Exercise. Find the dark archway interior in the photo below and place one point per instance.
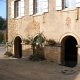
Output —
(70, 52)
(18, 47)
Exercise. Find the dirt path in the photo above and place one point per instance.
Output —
(23, 69)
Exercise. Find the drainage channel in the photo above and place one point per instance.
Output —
(68, 72)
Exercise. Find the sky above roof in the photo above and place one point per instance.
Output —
(3, 8)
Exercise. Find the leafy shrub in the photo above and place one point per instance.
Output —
(37, 57)
(8, 54)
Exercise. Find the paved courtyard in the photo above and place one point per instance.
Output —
(23, 69)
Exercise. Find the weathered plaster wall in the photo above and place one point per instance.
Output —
(54, 25)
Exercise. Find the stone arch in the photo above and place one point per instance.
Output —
(69, 51)
(17, 36)
(37, 35)
(69, 34)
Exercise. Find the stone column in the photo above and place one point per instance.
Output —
(59, 55)
(78, 56)
(13, 49)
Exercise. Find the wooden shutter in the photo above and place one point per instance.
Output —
(77, 3)
(45, 5)
(22, 7)
(12, 9)
(19, 9)
(58, 4)
(30, 7)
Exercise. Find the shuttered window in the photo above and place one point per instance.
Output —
(38, 6)
(77, 3)
(67, 4)
(17, 8)
(22, 7)
(58, 4)
(12, 9)
(30, 7)
(45, 5)
(70, 3)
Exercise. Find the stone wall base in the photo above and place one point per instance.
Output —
(52, 53)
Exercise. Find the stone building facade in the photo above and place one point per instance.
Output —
(58, 20)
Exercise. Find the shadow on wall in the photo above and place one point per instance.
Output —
(27, 52)
(23, 54)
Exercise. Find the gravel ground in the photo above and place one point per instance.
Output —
(23, 69)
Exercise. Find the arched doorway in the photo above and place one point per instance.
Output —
(17, 47)
(69, 51)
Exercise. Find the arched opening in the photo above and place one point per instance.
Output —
(69, 51)
(17, 47)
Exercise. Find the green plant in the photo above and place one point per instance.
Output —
(37, 57)
(36, 45)
(39, 39)
(31, 40)
(36, 42)
(8, 54)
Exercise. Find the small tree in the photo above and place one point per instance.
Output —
(36, 45)
(32, 42)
